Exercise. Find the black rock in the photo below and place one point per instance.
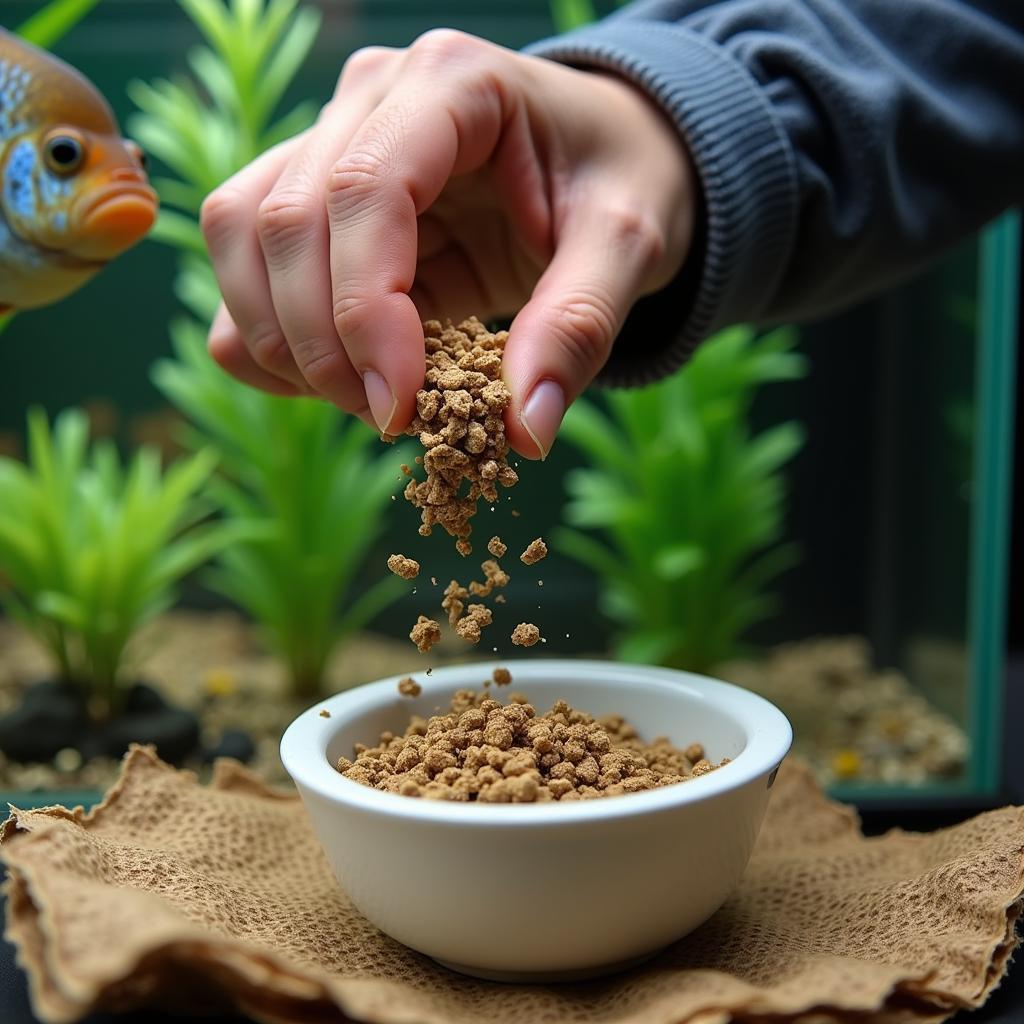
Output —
(232, 743)
(53, 715)
(143, 697)
(173, 731)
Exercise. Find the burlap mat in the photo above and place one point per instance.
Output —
(174, 894)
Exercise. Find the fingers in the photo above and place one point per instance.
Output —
(227, 348)
(266, 229)
(394, 168)
(563, 335)
(293, 236)
(229, 225)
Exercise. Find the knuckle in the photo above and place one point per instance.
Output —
(365, 61)
(283, 216)
(585, 329)
(351, 315)
(268, 348)
(440, 46)
(322, 367)
(220, 214)
(636, 238)
(357, 174)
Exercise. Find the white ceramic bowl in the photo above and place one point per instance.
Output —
(544, 891)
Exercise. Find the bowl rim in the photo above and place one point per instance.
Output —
(303, 748)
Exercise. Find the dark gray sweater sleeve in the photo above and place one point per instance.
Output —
(840, 145)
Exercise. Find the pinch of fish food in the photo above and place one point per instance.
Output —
(406, 568)
(535, 551)
(455, 430)
(476, 438)
(427, 404)
(526, 634)
(497, 395)
(461, 426)
(458, 403)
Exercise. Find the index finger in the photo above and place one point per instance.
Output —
(444, 117)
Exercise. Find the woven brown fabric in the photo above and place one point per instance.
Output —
(171, 893)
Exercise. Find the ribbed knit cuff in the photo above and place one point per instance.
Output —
(747, 173)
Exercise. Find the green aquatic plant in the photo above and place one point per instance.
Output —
(53, 21)
(92, 547)
(205, 128)
(310, 481)
(688, 501)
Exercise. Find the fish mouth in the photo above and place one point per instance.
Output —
(114, 219)
(137, 189)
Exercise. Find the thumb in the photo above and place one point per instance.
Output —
(564, 334)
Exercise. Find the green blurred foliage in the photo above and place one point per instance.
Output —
(52, 22)
(91, 548)
(309, 483)
(689, 504)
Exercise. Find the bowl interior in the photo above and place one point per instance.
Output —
(678, 707)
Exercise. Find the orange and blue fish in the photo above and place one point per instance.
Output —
(73, 192)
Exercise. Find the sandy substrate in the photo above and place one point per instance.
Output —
(852, 723)
(212, 664)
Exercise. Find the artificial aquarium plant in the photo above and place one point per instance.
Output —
(310, 480)
(688, 503)
(91, 548)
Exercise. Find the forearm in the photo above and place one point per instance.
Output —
(839, 146)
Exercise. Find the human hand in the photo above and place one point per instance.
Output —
(448, 179)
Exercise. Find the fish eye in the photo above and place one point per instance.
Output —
(64, 154)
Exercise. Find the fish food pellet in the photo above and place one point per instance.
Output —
(526, 634)
(425, 634)
(502, 676)
(496, 547)
(494, 576)
(408, 687)
(535, 551)
(471, 624)
(459, 421)
(483, 751)
(407, 568)
(324, 713)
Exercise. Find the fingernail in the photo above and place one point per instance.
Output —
(542, 415)
(381, 399)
